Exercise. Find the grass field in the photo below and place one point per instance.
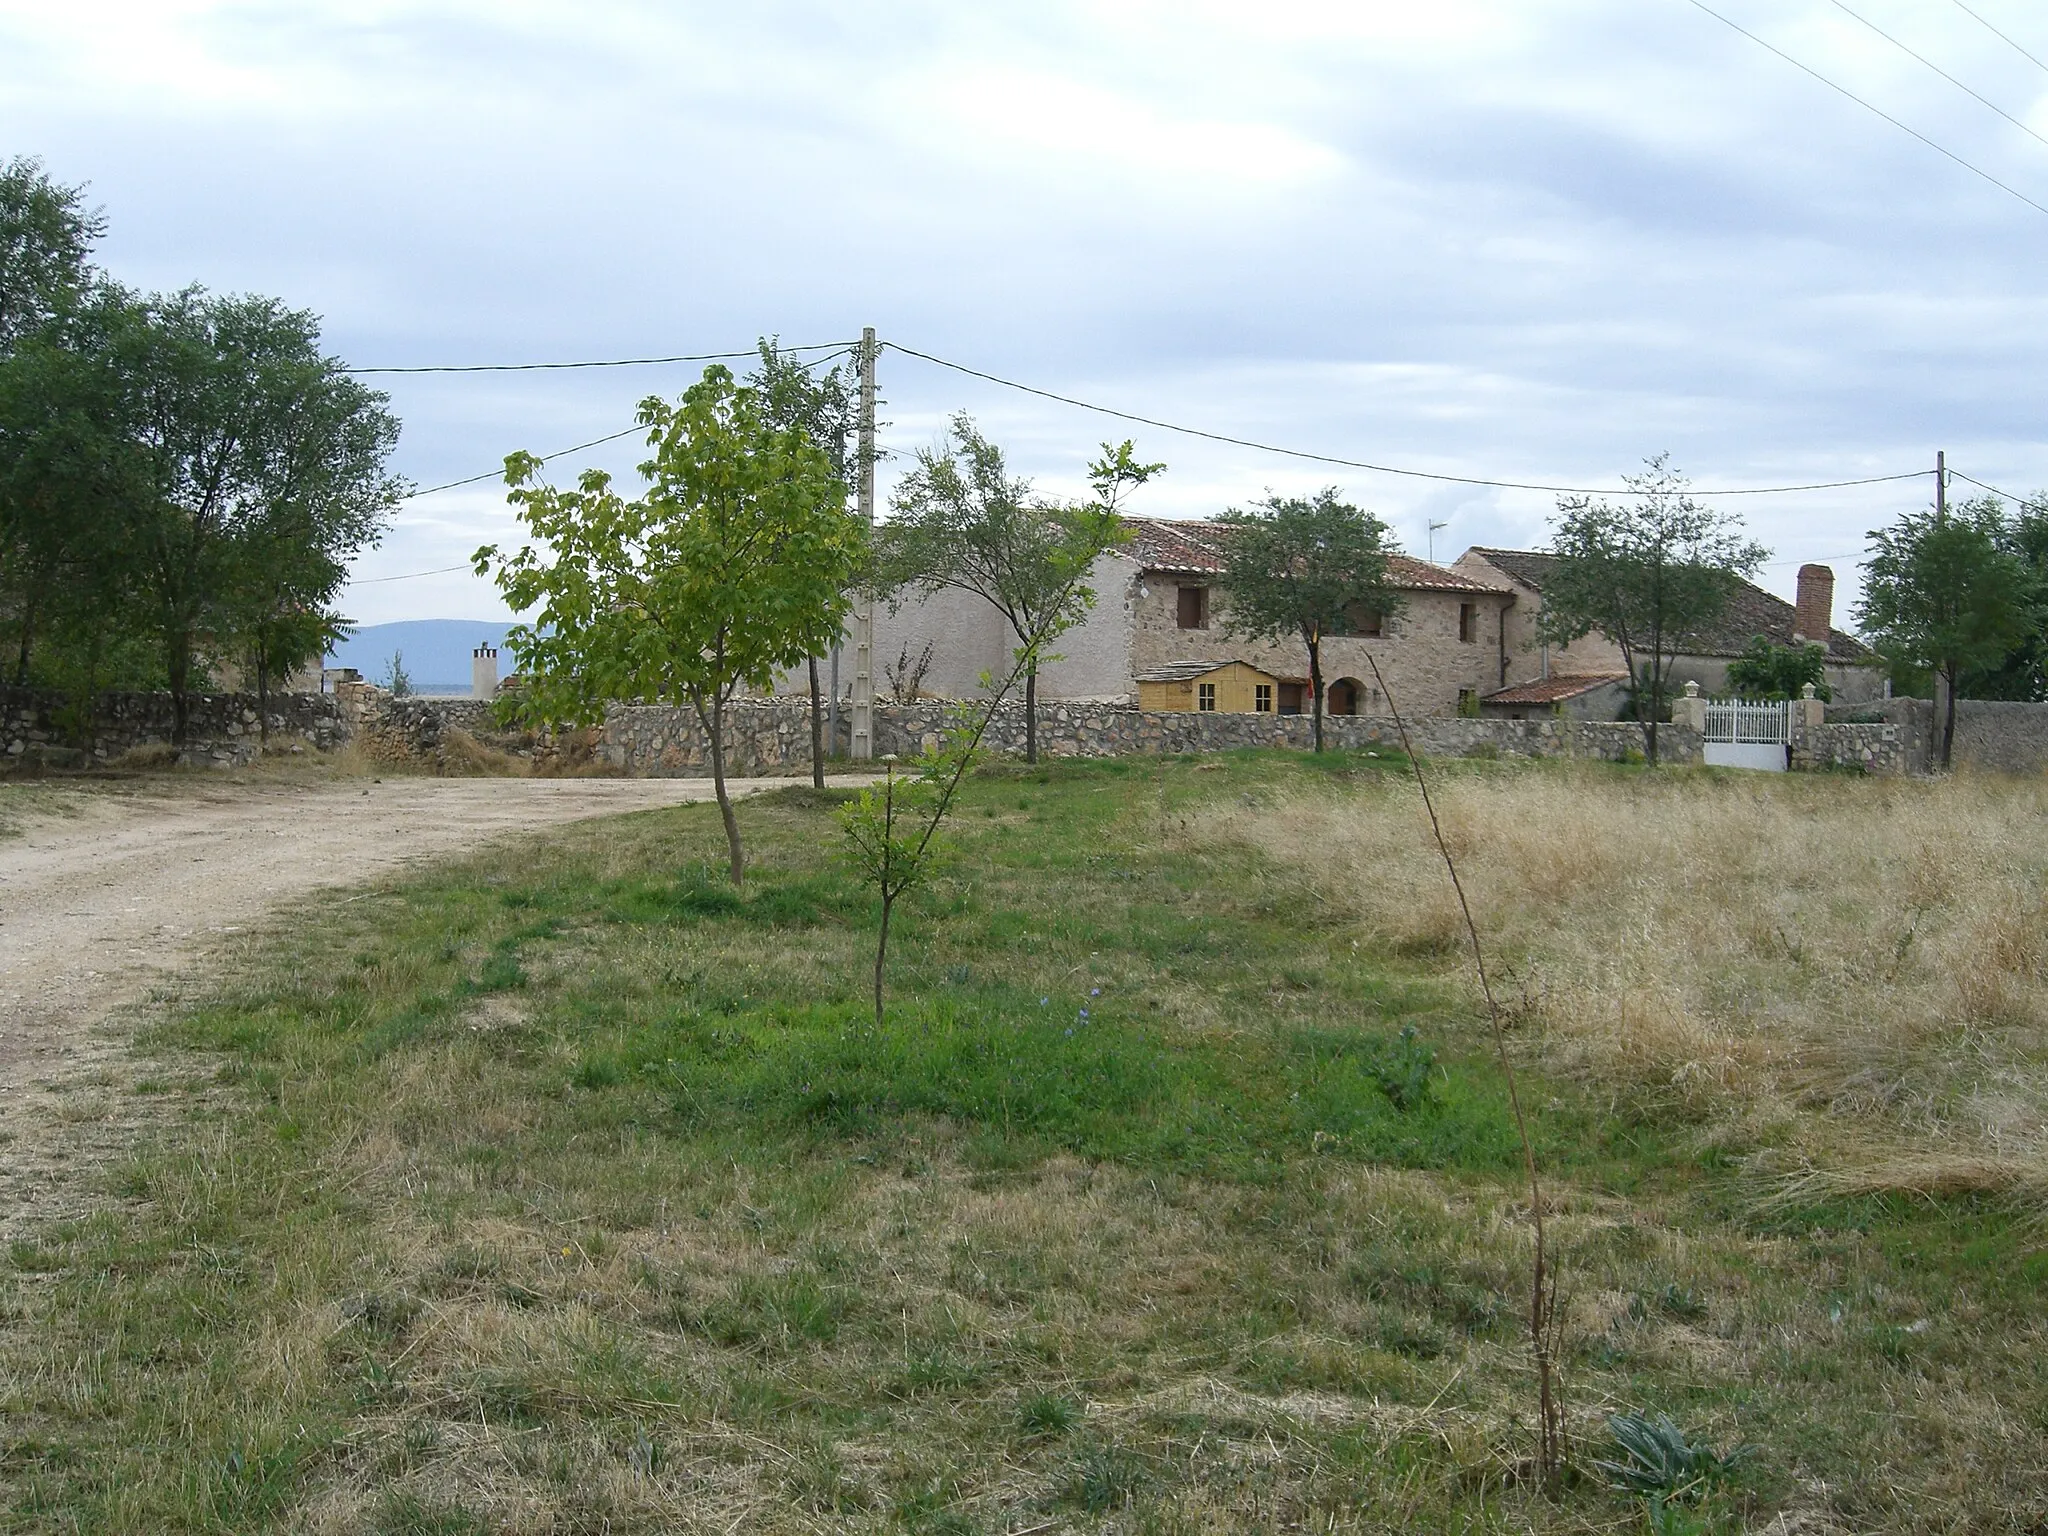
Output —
(568, 1191)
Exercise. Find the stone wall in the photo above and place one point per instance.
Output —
(774, 736)
(39, 728)
(454, 735)
(1994, 736)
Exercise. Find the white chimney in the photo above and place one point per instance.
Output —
(483, 672)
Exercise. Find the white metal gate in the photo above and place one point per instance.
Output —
(1744, 735)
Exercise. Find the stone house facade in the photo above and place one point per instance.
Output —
(1159, 606)
(1852, 671)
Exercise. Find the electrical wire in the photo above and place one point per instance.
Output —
(439, 570)
(1868, 107)
(1957, 474)
(2016, 48)
(559, 453)
(607, 362)
(1951, 79)
(1382, 469)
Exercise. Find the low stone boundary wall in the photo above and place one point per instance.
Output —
(774, 736)
(224, 730)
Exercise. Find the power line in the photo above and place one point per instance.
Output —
(1382, 469)
(439, 570)
(1957, 474)
(607, 362)
(1868, 107)
(1951, 79)
(559, 453)
(2016, 48)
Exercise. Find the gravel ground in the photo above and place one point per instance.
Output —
(110, 892)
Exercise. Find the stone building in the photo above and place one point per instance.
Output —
(1160, 609)
(1852, 671)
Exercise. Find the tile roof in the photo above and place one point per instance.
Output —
(1182, 671)
(1554, 689)
(1751, 612)
(1197, 548)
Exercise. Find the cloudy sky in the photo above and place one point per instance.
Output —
(1530, 240)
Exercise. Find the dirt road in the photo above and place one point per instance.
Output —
(104, 895)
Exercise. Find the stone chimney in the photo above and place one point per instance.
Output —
(483, 669)
(1815, 620)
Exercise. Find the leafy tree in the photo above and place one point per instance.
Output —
(247, 443)
(825, 408)
(2022, 672)
(1649, 575)
(46, 237)
(397, 681)
(1299, 568)
(1946, 593)
(961, 522)
(56, 450)
(1768, 671)
(732, 566)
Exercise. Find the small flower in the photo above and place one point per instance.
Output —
(1043, 1001)
(1070, 1031)
(566, 1250)
(1095, 991)
(1084, 1013)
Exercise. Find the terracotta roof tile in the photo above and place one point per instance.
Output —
(1197, 548)
(1752, 612)
(1555, 689)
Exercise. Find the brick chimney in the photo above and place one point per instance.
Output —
(1815, 619)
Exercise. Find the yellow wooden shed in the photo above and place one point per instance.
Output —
(1231, 687)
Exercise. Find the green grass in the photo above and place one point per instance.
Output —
(568, 1190)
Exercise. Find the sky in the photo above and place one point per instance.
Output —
(1525, 240)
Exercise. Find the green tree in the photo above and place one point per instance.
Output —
(251, 448)
(824, 407)
(46, 239)
(731, 567)
(2022, 672)
(1947, 594)
(57, 453)
(1302, 568)
(1768, 671)
(961, 522)
(1649, 574)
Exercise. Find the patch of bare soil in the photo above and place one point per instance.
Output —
(105, 897)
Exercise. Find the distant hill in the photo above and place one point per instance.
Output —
(437, 651)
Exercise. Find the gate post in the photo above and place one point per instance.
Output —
(1690, 712)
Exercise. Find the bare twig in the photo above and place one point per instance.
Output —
(1543, 1314)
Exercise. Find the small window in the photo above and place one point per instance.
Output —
(1363, 621)
(1194, 608)
(1262, 698)
(1205, 696)
(1468, 622)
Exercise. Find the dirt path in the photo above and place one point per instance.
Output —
(104, 896)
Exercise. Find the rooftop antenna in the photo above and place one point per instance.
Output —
(1432, 539)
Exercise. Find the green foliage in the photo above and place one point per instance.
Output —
(735, 563)
(1405, 1069)
(1301, 568)
(1774, 672)
(1947, 594)
(2022, 672)
(960, 522)
(1659, 1461)
(1648, 574)
(46, 239)
(396, 679)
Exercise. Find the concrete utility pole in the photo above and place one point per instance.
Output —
(864, 613)
(1941, 488)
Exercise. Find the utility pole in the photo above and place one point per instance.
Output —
(1940, 488)
(864, 613)
(1432, 539)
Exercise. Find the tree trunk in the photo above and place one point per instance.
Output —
(817, 732)
(1315, 683)
(178, 667)
(1948, 720)
(262, 699)
(1650, 720)
(882, 954)
(732, 822)
(1031, 713)
(28, 630)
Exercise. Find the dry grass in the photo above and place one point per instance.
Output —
(1851, 972)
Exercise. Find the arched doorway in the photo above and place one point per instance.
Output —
(1345, 694)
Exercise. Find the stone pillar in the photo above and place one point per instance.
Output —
(1808, 711)
(1690, 713)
